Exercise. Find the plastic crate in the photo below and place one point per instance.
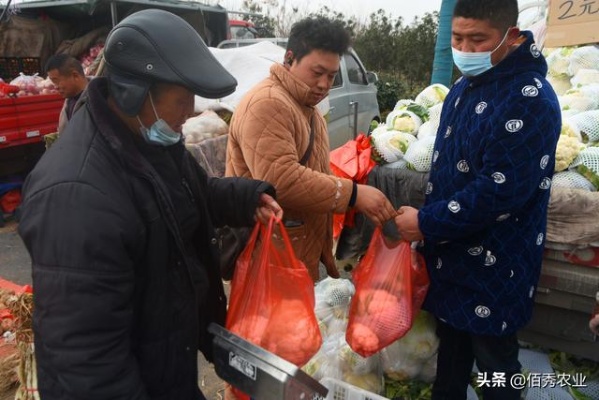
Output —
(339, 390)
(11, 67)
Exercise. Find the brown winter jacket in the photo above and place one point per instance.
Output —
(268, 135)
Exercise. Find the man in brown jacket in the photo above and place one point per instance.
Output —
(277, 135)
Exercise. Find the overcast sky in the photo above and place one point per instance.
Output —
(406, 9)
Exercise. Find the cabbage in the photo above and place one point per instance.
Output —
(398, 367)
(355, 363)
(419, 344)
(369, 382)
(429, 370)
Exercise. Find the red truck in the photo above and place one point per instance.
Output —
(240, 29)
(35, 29)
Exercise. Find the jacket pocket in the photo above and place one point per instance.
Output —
(297, 237)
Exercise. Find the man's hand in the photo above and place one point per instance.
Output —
(374, 204)
(407, 224)
(268, 207)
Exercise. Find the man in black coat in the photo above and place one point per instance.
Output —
(119, 221)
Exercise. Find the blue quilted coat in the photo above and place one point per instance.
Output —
(485, 214)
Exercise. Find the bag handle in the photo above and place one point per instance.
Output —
(267, 232)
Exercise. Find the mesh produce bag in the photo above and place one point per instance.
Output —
(569, 128)
(583, 57)
(403, 121)
(560, 84)
(391, 144)
(558, 62)
(332, 298)
(434, 113)
(588, 124)
(585, 76)
(420, 154)
(431, 95)
(572, 180)
(399, 164)
(427, 129)
(577, 100)
(590, 90)
(587, 164)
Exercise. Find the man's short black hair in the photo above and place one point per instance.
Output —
(64, 63)
(317, 33)
(501, 14)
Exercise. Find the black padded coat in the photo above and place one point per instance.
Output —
(124, 287)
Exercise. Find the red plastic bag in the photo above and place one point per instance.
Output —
(352, 161)
(10, 200)
(391, 283)
(272, 297)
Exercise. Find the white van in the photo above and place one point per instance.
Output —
(353, 103)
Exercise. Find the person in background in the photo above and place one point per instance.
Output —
(66, 73)
(119, 223)
(594, 324)
(278, 135)
(484, 219)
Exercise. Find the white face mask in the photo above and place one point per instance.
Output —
(473, 64)
(160, 132)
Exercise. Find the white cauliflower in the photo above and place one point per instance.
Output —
(588, 123)
(567, 149)
(420, 154)
(558, 61)
(585, 76)
(583, 57)
(569, 128)
(391, 144)
(575, 99)
(560, 84)
(587, 164)
(572, 179)
(428, 129)
(403, 121)
(431, 95)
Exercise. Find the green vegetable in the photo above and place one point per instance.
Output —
(589, 174)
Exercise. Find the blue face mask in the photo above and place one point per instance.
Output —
(473, 64)
(160, 133)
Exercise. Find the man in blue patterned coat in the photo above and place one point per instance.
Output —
(484, 219)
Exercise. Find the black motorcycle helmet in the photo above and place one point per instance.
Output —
(153, 46)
